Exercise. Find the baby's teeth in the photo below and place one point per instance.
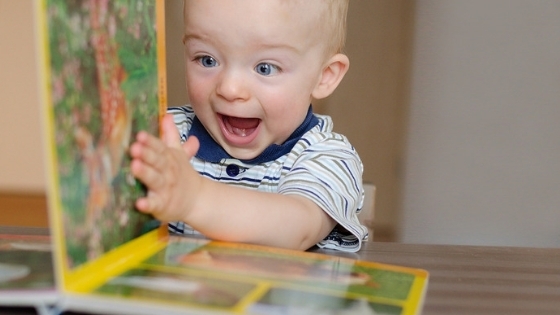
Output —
(240, 132)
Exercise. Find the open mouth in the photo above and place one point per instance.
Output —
(241, 127)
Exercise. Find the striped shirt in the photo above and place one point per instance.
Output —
(314, 162)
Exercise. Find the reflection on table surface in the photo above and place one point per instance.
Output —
(477, 279)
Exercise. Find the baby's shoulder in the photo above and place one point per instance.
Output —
(322, 142)
(323, 134)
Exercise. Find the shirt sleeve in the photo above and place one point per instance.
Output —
(329, 172)
(183, 118)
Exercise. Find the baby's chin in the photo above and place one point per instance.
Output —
(244, 153)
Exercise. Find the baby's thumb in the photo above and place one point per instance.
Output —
(191, 146)
(169, 132)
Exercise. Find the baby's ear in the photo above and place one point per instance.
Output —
(332, 74)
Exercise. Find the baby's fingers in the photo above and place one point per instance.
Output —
(149, 150)
(147, 174)
(147, 204)
(191, 146)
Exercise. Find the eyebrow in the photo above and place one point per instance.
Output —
(187, 37)
(281, 46)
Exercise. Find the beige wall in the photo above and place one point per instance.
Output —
(175, 65)
(370, 106)
(21, 163)
(483, 163)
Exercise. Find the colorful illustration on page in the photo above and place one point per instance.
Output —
(104, 89)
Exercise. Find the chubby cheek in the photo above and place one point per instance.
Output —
(195, 95)
(283, 120)
(198, 91)
(198, 85)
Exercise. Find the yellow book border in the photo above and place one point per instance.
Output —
(413, 304)
(94, 273)
(91, 275)
(417, 273)
(161, 58)
(415, 301)
(47, 119)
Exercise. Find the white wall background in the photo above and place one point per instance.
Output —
(483, 154)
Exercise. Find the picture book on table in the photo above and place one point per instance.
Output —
(26, 271)
(102, 80)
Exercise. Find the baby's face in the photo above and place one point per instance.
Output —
(252, 67)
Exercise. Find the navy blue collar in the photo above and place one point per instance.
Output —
(211, 151)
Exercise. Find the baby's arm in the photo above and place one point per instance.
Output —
(176, 192)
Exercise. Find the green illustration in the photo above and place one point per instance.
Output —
(104, 89)
(179, 289)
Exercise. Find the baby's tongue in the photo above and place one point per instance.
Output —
(241, 126)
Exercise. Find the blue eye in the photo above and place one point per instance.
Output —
(207, 61)
(266, 69)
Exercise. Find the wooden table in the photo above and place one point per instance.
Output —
(463, 279)
(478, 279)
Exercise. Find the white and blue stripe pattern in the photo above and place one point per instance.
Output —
(322, 166)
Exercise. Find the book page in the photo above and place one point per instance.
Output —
(26, 270)
(193, 274)
(103, 80)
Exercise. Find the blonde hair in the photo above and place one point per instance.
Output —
(335, 21)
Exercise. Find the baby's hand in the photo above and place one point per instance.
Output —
(164, 167)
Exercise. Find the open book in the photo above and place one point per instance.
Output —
(103, 80)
